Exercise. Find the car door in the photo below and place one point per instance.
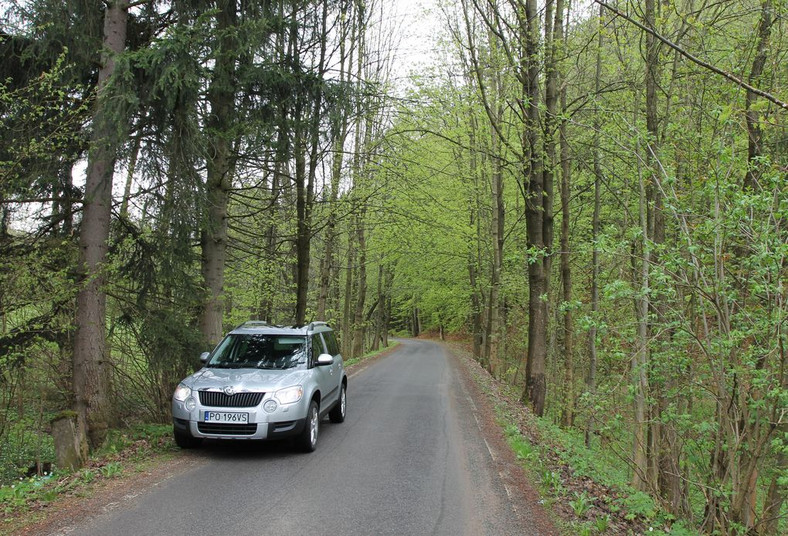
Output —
(326, 375)
(333, 348)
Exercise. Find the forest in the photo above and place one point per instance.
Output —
(593, 195)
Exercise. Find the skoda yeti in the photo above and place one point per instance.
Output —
(263, 382)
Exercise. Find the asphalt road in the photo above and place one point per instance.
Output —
(408, 460)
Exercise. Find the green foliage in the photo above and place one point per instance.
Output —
(123, 450)
(583, 529)
(21, 446)
(111, 470)
(551, 482)
(601, 524)
(523, 449)
(40, 119)
(581, 504)
(15, 496)
(638, 504)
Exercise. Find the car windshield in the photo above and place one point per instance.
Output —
(259, 351)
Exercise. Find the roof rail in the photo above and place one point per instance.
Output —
(312, 325)
(252, 323)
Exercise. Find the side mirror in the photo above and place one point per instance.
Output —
(325, 359)
(204, 356)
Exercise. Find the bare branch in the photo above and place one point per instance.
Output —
(736, 80)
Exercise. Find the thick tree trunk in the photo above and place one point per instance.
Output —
(305, 179)
(91, 371)
(538, 214)
(220, 168)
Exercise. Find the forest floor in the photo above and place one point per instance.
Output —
(142, 463)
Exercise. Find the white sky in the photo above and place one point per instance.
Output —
(417, 25)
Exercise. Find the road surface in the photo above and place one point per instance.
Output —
(408, 460)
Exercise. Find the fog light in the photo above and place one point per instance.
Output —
(270, 406)
(190, 403)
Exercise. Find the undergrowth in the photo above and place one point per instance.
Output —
(591, 483)
(119, 454)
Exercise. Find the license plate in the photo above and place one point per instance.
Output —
(225, 416)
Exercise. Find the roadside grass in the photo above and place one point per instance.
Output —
(124, 452)
(588, 489)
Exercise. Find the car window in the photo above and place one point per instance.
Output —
(331, 343)
(317, 347)
(259, 351)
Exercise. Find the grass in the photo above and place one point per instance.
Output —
(562, 465)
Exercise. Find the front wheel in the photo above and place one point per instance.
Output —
(337, 413)
(307, 440)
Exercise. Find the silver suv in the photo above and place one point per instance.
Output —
(263, 382)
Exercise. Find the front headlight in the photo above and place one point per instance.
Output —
(182, 392)
(290, 395)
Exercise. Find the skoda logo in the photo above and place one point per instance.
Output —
(228, 390)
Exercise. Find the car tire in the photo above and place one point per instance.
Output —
(337, 413)
(186, 441)
(307, 440)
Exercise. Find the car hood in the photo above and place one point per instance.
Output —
(244, 380)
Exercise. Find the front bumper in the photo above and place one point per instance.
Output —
(285, 421)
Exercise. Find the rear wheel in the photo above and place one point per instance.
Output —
(337, 413)
(185, 441)
(307, 441)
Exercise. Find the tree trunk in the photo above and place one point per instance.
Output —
(91, 372)
(639, 362)
(538, 176)
(492, 350)
(306, 190)
(595, 224)
(474, 246)
(754, 133)
(359, 324)
(327, 269)
(303, 233)
(347, 307)
(220, 167)
(566, 278)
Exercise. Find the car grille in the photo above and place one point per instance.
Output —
(217, 399)
(212, 428)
